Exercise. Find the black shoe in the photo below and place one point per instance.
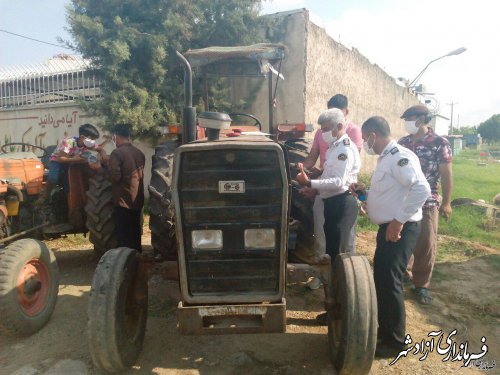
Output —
(422, 295)
(322, 319)
(387, 351)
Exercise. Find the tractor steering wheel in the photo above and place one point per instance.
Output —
(255, 119)
(4, 147)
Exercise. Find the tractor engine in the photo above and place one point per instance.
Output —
(21, 181)
(231, 201)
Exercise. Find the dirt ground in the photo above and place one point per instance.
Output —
(466, 298)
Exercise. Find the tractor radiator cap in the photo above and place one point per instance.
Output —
(214, 120)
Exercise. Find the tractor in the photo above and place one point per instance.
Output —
(221, 210)
(29, 277)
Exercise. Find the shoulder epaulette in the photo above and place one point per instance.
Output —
(347, 141)
(394, 150)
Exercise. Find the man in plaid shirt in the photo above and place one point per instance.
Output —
(434, 154)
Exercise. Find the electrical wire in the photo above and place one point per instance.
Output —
(33, 39)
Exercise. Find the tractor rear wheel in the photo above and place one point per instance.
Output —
(161, 210)
(29, 283)
(301, 208)
(99, 210)
(117, 310)
(352, 329)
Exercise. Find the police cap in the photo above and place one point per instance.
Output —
(416, 110)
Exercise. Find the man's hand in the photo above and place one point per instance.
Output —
(302, 177)
(445, 211)
(315, 172)
(308, 192)
(393, 231)
(77, 159)
(95, 166)
(357, 187)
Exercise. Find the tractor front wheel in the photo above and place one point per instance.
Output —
(352, 329)
(117, 310)
(29, 283)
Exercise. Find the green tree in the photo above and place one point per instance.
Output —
(490, 129)
(466, 130)
(132, 44)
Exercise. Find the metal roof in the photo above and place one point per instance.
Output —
(61, 63)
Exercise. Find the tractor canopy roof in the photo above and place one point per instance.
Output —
(253, 60)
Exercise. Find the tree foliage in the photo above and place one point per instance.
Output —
(464, 130)
(132, 46)
(490, 129)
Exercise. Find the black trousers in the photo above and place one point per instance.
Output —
(128, 227)
(341, 212)
(389, 266)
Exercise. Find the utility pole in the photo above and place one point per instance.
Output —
(451, 121)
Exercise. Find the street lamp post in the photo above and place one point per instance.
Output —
(452, 104)
(454, 52)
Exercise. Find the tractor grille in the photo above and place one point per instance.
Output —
(232, 269)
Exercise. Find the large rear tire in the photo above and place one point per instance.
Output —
(161, 210)
(29, 283)
(301, 208)
(352, 329)
(117, 311)
(99, 210)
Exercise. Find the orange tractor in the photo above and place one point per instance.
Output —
(29, 278)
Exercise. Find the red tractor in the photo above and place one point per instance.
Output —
(29, 277)
(222, 207)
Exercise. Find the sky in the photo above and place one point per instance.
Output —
(400, 36)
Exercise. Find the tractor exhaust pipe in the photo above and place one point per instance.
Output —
(188, 113)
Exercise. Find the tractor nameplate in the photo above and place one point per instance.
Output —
(231, 187)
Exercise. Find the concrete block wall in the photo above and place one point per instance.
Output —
(332, 68)
(47, 125)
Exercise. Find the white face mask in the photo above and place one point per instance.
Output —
(113, 141)
(89, 143)
(328, 138)
(369, 149)
(411, 127)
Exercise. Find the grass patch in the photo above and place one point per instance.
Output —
(467, 222)
(69, 241)
(364, 224)
(474, 181)
(452, 250)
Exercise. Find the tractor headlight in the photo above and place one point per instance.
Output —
(260, 238)
(207, 239)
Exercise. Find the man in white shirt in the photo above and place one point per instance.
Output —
(397, 193)
(340, 170)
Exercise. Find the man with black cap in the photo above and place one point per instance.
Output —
(434, 154)
(125, 170)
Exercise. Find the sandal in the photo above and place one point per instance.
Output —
(422, 295)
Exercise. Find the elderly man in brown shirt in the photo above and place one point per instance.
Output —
(126, 173)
